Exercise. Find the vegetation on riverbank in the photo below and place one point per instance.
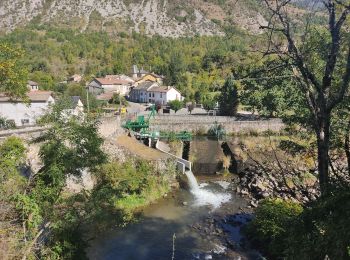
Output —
(122, 189)
(286, 229)
(40, 218)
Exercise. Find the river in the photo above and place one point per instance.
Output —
(199, 229)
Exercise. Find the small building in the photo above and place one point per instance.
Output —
(110, 84)
(32, 86)
(153, 92)
(26, 114)
(76, 108)
(75, 78)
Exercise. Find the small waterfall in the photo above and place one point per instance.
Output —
(192, 181)
(203, 196)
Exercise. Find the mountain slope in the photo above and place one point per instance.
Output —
(163, 17)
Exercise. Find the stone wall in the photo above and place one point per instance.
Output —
(110, 127)
(203, 124)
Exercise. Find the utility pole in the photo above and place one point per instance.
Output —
(87, 98)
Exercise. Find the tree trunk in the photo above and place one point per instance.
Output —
(323, 136)
(347, 145)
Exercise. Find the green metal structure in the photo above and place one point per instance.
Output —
(183, 136)
(140, 123)
(141, 128)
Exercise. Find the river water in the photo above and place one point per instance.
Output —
(151, 238)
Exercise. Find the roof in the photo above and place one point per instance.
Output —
(112, 81)
(146, 85)
(32, 83)
(75, 100)
(160, 89)
(34, 96)
(154, 87)
(157, 76)
(39, 95)
(105, 96)
(164, 89)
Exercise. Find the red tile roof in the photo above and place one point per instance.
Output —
(34, 96)
(112, 81)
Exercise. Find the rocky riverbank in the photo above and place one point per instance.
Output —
(256, 183)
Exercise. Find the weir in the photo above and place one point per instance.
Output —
(203, 196)
(182, 164)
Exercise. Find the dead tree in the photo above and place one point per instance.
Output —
(322, 90)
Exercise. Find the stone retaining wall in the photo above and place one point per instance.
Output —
(204, 123)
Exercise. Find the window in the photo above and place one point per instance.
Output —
(161, 95)
(150, 95)
(25, 121)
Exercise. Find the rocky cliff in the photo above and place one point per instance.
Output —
(153, 17)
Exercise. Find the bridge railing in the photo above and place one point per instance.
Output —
(182, 164)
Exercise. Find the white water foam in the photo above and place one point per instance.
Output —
(204, 196)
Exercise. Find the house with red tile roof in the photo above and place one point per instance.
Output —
(110, 83)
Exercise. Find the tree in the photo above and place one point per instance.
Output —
(13, 77)
(176, 105)
(228, 99)
(209, 103)
(198, 96)
(321, 65)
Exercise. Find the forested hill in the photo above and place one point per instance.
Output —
(162, 17)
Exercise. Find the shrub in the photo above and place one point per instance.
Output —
(269, 229)
(323, 229)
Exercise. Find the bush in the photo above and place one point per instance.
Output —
(323, 229)
(283, 229)
(7, 124)
(176, 105)
(122, 188)
(269, 229)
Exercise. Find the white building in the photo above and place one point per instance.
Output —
(24, 114)
(152, 92)
(76, 108)
(111, 83)
(32, 86)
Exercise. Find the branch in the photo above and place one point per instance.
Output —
(29, 248)
(344, 86)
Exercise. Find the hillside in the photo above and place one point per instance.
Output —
(163, 17)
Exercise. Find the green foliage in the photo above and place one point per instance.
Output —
(283, 229)
(12, 155)
(228, 99)
(13, 76)
(269, 229)
(191, 64)
(273, 92)
(322, 229)
(292, 147)
(176, 105)
(6, 124)
(69, 146)
(118, 100)
(209, 103)
(122, 188)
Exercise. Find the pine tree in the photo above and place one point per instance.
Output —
(229, 100)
